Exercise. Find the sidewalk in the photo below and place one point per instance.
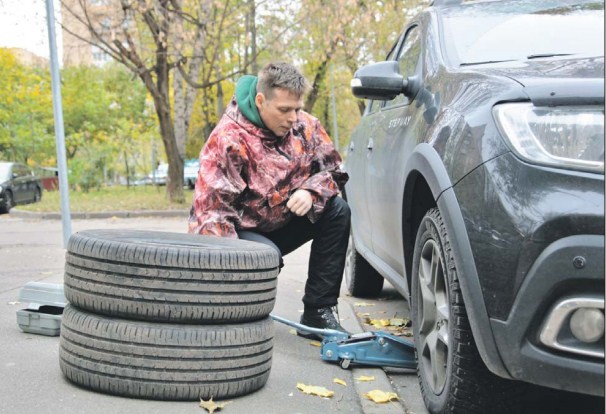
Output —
(31, 250)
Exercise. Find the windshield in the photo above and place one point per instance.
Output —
(5, 169)
(519, 30)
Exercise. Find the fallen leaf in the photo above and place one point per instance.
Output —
(380, 397)
(399, 322)
(315, 390)
(211, 406)
(315, 343)
(365, 378)
(363, 304)
(14, 303)
(339, 381)
(360, 314)
(293, 331)
(379, 323)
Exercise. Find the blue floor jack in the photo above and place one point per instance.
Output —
(367, 348)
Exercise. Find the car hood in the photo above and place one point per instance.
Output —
(559, 81)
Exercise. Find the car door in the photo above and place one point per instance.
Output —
(18, 185)
(31, 183)
(358, 186)
(392, 143)
(23, 180)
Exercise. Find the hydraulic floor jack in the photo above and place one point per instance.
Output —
(367, 348)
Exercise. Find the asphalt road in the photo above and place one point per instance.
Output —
(31, 381)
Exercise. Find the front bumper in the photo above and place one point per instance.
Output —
(556, 278)
(526, 225)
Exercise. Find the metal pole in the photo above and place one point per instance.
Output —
(335, 128)
(59, 132)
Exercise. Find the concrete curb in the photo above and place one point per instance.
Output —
(350, 322)
(100, 215)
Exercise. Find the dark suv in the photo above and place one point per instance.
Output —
(477, 189)
(18, 185)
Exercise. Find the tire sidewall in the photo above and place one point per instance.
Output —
(10, 201)
(429, 230)
(361, 279)
(350, 263)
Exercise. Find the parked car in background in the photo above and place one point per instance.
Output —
(158, 176)
(477, 189)
(18, 185)
(190, 172)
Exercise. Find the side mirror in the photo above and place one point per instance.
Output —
(382, 81)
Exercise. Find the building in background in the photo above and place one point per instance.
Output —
(27, 58)
(104, 15)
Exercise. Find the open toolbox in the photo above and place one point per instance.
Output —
(46, 303)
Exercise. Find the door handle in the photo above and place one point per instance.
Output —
(371, 144)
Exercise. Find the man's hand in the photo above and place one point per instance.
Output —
(300, 202)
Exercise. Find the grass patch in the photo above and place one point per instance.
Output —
(117, 198)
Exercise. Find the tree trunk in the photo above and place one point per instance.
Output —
(174, 179)
(317, 84)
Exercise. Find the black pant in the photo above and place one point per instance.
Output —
(330, 235)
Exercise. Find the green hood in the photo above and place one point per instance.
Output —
(246, 91)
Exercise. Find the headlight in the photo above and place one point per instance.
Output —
(565, 137)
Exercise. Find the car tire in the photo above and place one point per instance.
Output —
(362, 280)
(8, 203)
(452, 375)
(37, 195)
(170, 277)
(164, 361)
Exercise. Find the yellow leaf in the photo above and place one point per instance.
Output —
(339, 381)
(315, 390)
(399, 322)
(293, 331)
(315, 343)
(363, 304)
(365, 378)
(379, 323)
(379, 396)
(211, 406)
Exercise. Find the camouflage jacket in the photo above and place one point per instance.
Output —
(247, 175)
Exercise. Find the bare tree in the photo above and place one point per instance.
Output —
(173, 46)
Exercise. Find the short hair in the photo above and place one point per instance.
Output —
(281, 75)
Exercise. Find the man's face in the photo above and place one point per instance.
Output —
(279, 113)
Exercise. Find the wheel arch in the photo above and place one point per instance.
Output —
(427, 184)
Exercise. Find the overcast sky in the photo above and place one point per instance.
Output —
(23, 24)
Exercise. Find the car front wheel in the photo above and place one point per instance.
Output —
(8, 203)
(452, 375)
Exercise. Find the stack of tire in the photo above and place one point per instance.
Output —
(167, 316)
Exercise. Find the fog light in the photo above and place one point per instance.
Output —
(587, 324)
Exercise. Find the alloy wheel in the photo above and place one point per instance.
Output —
(434, 315)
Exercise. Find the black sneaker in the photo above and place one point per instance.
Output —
(321, 318)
